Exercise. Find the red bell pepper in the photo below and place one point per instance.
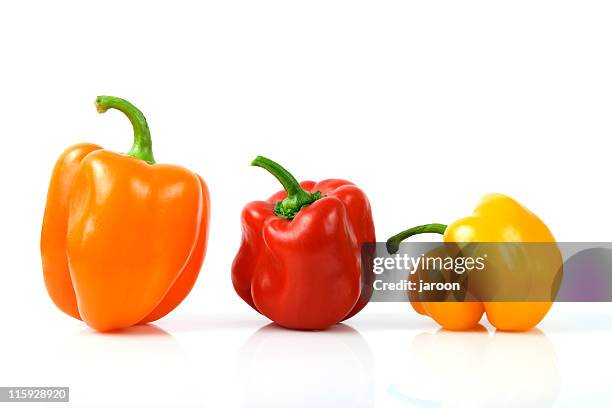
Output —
(299, 262)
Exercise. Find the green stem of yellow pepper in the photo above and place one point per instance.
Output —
(393, 243)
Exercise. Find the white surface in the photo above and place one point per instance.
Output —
(425, 105)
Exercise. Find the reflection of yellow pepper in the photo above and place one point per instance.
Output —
(497, 218)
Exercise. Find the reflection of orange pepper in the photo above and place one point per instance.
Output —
(123, 239)
(497, 218)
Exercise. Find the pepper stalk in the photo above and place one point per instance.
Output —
(393, 243)
(142, 148)
(297, 197)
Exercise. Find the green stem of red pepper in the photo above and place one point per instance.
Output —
(393, 243)
(142, 148)
(297, 197)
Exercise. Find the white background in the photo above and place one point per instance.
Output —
(425, 105)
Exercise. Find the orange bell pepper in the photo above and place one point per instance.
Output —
(123, 239)
(497, 218)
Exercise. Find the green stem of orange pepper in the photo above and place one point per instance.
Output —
(142, 148)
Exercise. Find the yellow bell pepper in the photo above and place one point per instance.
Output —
(497, 218)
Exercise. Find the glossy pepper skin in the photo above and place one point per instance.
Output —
(299, 262)
(497, 218)
(123, 239)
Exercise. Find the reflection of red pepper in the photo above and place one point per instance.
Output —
(299, 263)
